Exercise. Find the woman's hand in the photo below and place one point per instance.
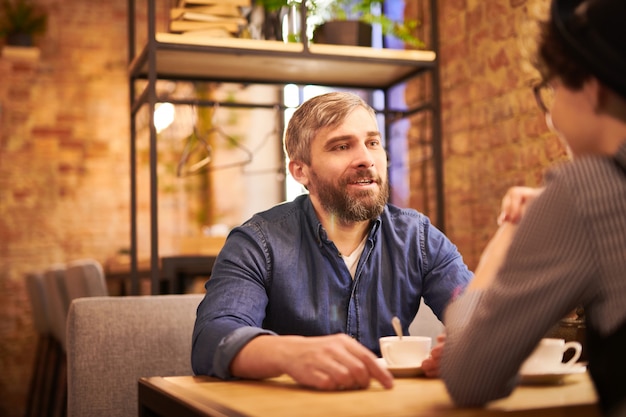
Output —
(430, 365)
(515, 202)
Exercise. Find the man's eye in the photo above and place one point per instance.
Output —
(341, 147)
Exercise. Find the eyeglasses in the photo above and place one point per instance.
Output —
(544, 95)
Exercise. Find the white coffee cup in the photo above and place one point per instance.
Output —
(548, 356)
(408, 351)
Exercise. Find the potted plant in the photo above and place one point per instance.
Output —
(20, 20)
(325, 14)
(362, 11)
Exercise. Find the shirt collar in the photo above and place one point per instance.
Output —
(318, 230)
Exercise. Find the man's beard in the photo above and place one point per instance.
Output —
(352, 207)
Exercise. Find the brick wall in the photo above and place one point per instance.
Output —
(64, 187)
(494, 135)
(64, 146)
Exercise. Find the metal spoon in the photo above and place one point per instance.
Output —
(395, 322)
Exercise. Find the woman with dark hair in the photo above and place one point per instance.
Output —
(569, 248)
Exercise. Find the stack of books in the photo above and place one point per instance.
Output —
(215, 18)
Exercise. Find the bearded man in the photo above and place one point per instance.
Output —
(308, 287)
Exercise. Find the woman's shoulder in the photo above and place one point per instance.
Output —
(590, 185)
(590, 172)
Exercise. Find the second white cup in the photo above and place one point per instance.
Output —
(548, 356)
(409, 351)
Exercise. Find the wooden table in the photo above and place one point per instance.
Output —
(189, 396)
(188, 256)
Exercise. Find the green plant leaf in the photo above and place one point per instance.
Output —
(21, 16)
(359, 10)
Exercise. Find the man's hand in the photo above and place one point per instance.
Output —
(515, 202)
(334, 362)
(430, 366)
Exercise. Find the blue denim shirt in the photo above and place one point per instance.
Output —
(279, 274)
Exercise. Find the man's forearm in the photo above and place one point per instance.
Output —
(261, 358)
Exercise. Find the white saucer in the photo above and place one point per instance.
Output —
(552, 377)
(402, 371)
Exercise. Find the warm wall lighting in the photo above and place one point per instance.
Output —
(163, 116)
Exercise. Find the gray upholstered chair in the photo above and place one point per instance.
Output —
(57, 305)
(85, 278)
(58, 302)
(113, 341)
(46, 357)
(61, 284)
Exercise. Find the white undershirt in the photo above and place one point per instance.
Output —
(353, 259)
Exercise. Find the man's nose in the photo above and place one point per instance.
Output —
(363, 157)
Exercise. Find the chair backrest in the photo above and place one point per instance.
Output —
(85, 278)
(58, 302)
(113, 341)
(39, 302)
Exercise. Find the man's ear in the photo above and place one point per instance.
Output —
(298, 171)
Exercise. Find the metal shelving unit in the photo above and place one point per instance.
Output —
(168, 56)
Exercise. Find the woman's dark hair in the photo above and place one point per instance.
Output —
(584, 38)
(555, 59)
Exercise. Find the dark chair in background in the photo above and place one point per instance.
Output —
(46, 356)
(51, 293)
(57, 304)
(85, 278)
(178, 272)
